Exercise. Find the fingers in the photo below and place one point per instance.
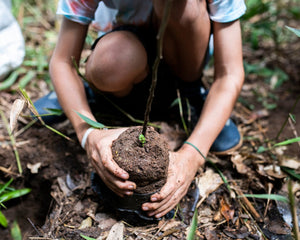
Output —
(165, 201)
(99, 151)
(108, 171)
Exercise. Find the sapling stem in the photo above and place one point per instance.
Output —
(159, 38)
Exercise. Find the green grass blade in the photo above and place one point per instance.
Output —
(87, 238)
(291, 172)
(57, 132)
(55, 111)
(294, 30)
(16, 231)
(193, 227)
(14, 194)
(26, 79)
(268, 196)
(3, 220)
(4, 187)
(289, 141)
(90, 121)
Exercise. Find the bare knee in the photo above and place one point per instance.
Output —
(118, 62)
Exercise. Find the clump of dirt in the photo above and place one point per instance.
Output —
(147, 165)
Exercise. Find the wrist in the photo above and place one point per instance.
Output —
(192, 151)
(85, 136)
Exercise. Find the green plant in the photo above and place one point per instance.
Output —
(142, 139)
(7, 193)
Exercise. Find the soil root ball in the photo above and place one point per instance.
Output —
(147, 165)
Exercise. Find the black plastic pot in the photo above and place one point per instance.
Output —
(126, 208)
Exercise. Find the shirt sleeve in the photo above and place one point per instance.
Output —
(81, 11)
(226, 10)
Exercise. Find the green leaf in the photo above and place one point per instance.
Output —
(4, 187)
(87, 238)
(291, 172)
(193, 227)
(3, 220)
(55, 111)
(294, 30)
(14, 194)
(90, 121)
(292, 117)
(261, 149)
(16, 231)
(268, 196)
(289, 141)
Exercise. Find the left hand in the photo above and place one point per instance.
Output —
(181, 172)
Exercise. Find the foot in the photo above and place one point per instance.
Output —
(50, 101)
(46, 102)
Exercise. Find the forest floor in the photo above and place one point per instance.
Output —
(62, 204)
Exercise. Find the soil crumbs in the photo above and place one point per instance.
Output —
(62, 204)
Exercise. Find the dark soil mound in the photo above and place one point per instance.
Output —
(147, 165)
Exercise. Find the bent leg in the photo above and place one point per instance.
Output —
(118, 61)
(186, 37)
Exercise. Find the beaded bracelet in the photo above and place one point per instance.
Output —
(195, 148)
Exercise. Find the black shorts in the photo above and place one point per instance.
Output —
(165, 94)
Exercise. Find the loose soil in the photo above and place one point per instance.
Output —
(62, 197)
(147, 164)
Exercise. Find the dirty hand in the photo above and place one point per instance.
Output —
(181, 172)
(98, 147)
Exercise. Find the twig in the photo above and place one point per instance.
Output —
(34, 227)
(270, 186)
(285, 122)
(293, 211)
(292, 125)
(3, 169)
(181, 113)
(13, 141)
(159, 38)
(131, 118)
(249, 206)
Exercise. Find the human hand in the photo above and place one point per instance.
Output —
(182, 169)
(98, 147)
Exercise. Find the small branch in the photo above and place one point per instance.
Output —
(285, 122)
(293, 210)
(13, 141)
(159, 38)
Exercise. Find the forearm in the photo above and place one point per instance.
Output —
(71, 95)
(216, 111)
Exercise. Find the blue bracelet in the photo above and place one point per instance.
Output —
(195, 148)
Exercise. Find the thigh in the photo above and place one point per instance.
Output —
(186, 37)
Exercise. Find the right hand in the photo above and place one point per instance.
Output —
(98, 147)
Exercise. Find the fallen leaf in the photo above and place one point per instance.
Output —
(208, 182)
(15, 112)
(226, 210)
(105, 221)
(237, 160)
(86, 223)
(63, 186)
(116, 232)
(34, 168)
(290, 163)
(170, 224)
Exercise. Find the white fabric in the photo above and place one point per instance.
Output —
(12, 46)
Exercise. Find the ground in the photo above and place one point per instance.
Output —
(62, 204)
